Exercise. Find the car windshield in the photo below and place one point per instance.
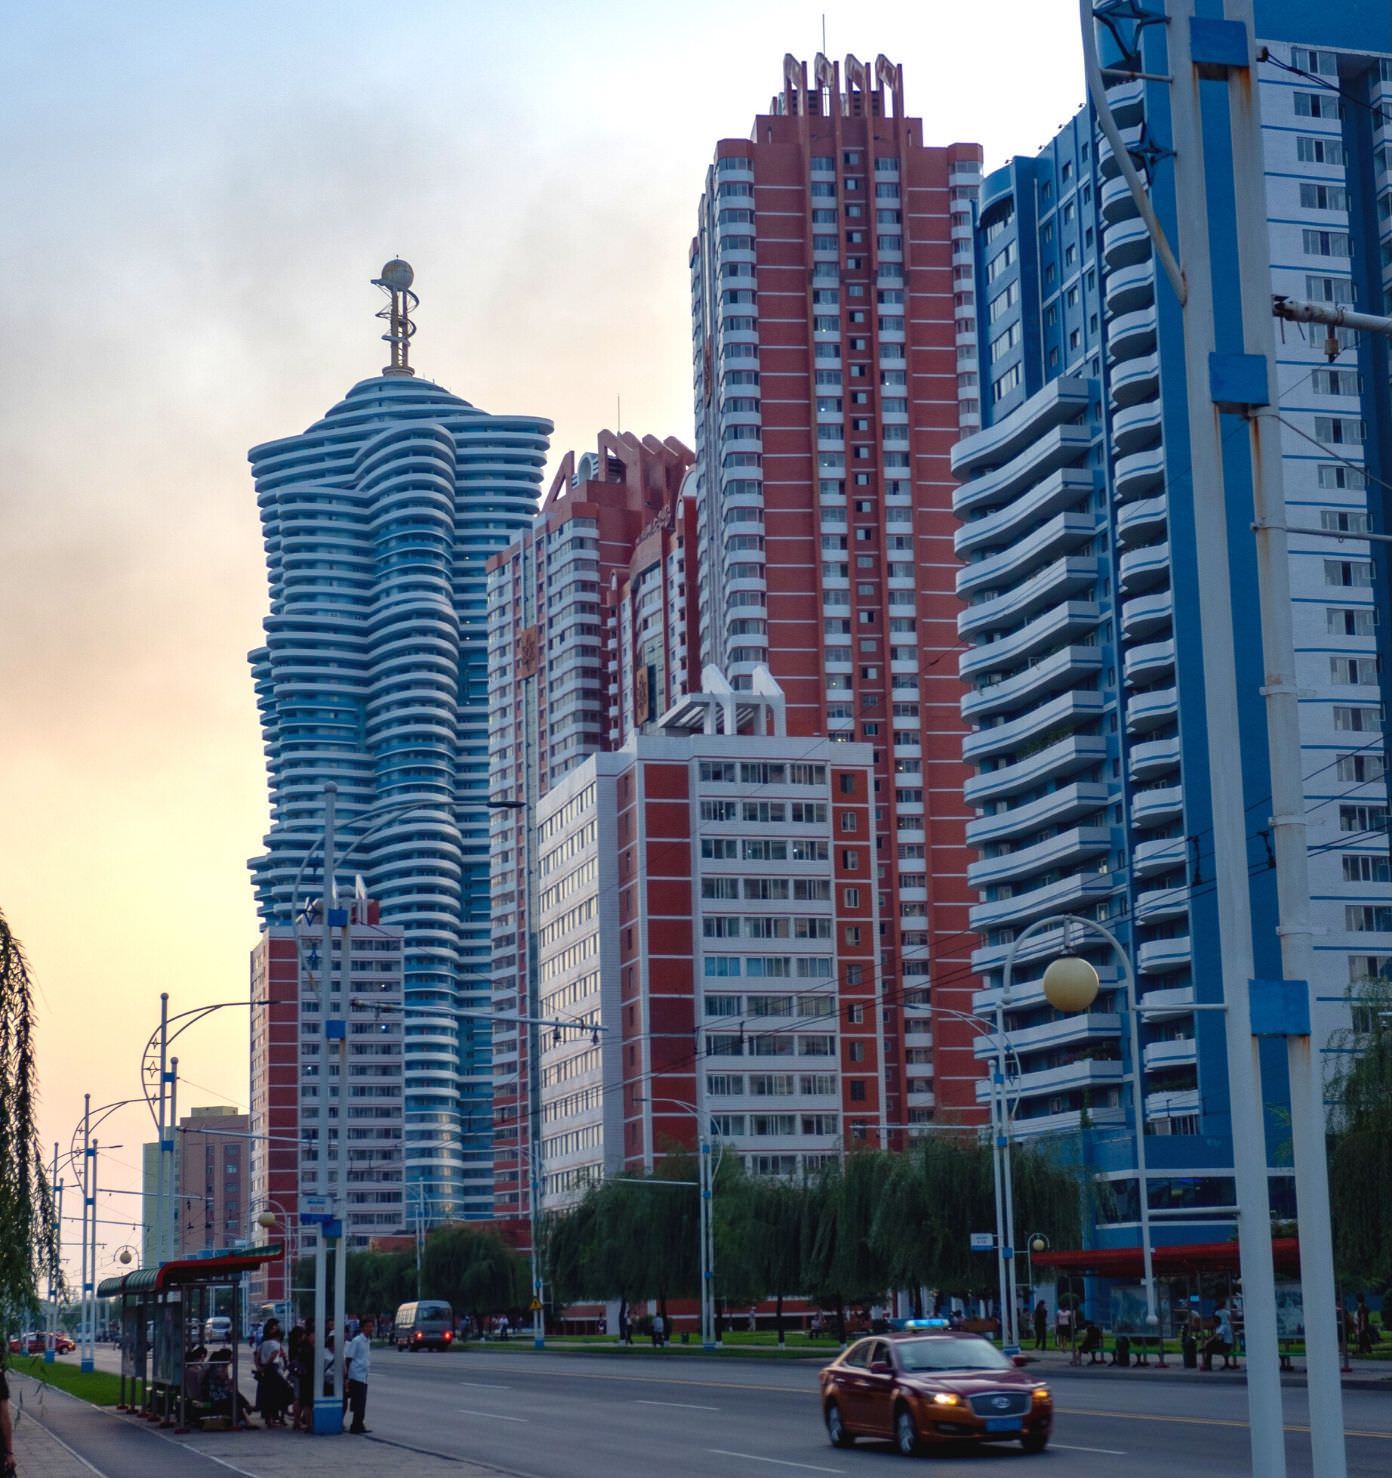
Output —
(950, 1354)
(432, 1311)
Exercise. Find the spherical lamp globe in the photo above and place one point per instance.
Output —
(125, 1255)
(1070, 984)
(1038, 1244)
(266, 1219)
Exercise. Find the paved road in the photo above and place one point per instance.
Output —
(595, 1416)
(558, 1416)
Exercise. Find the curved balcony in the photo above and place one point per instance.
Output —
(1085, 1072)
(1160, 803)
(1146, 614)
(1139, 473)
(1181, 1103)
(1136, 427)
(1131, 138)
(1061, 446)
(1072, 892)
(1147, 711)
(1063, 532)
(1154, 758)
(1127, 102)
(1159, 956)
(1117, 204)
(1068, 709)
(1149, 858)
(1063, 1032)
(1129, 288)
(1166, 1004)
(1131, 334)
(1152, 660)
(1057, 402)
(1162, 903)
(1144, 568)
(1066, 849)
(1062, 490)
(1177, 1052)
(1136, 521)
(1125, 243)
(1059, 670)
(1064, 577)
(1135, 379)
(1065, 757)
(1082, 798)
(1069, 618)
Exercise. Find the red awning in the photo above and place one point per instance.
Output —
(1198, 1257)
(183, 1271)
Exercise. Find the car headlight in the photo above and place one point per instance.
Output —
(1041, 1393)
(946, 1398)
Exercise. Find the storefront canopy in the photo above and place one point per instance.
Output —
(1170, 1262)
(220, 1267)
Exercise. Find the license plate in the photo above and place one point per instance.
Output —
(1003, 1424)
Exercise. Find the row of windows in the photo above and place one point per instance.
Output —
(569, 813)
(804, 813)
(781, 1125)
(768, 1044)
(770, 1085)
(570, 958)
(789, 1005)
(768, 967)
(583, 913)
(802, 890)
(768, 772)
(573, 846)
(764, 849)
(583, 876)
(764, 926)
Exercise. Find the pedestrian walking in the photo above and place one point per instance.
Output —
(1362, 1326)
(357, 1366)
(659, 1328)
(1041, 1324)
(303, 1360)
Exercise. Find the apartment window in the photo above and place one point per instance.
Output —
(1317, 105)
(1357, 720)
(1343, 521)
(849, 821)
(850, 897)
(1323, 197)
(1328, 289)
(1326, 243)
(1360, 769)
(1362, 818)
(1354, 671)
(857, 1091)
(1318, 150)
(1350, 621)
(1341, 475)
(1367, 867)
(1350, 574)
(850, 859)
(1368, 918)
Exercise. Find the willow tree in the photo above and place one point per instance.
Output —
(1360, 1141)
(28, 1226)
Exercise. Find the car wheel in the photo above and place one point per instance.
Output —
(905, 1432)
(1036, 1443)
(837, 1434)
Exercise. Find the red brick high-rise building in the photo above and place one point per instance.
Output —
(834, 367)
(591, 636)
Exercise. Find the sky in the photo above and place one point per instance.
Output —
(197, 196)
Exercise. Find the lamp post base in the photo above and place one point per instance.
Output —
(328, 1417)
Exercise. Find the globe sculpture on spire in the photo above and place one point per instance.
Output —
(395, 280)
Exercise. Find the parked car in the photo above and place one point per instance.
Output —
(425, 1325)
(63, 1343)
(217, 1331)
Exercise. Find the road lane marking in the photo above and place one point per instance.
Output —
(482, 1385)
(1199, 1421)
(1110, 1451)
(782, 1462)
(496, 1416)
(685, 1405)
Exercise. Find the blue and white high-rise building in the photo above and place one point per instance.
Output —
(378, 522)
(1084, 644)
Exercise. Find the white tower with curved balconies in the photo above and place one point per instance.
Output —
(378, 522)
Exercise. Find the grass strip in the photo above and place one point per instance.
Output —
(100, 1387)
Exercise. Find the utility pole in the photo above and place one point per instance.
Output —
(88, 1246)
(49, 1351)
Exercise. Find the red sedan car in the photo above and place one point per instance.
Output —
(928, 1386)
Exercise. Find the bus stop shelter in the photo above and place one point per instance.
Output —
(166, 1374)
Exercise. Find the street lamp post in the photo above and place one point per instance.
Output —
(1035, 1242)
(1071, 985)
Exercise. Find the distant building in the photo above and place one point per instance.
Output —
(707, 905)
(378, 522)
(591, 634)
(213, 1161)
(834, 364)
(287, 1079)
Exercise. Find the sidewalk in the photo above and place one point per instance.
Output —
(1363, 1375)
(38, 1454)
(285, 1454)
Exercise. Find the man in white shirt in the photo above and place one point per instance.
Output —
(357, 1364)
